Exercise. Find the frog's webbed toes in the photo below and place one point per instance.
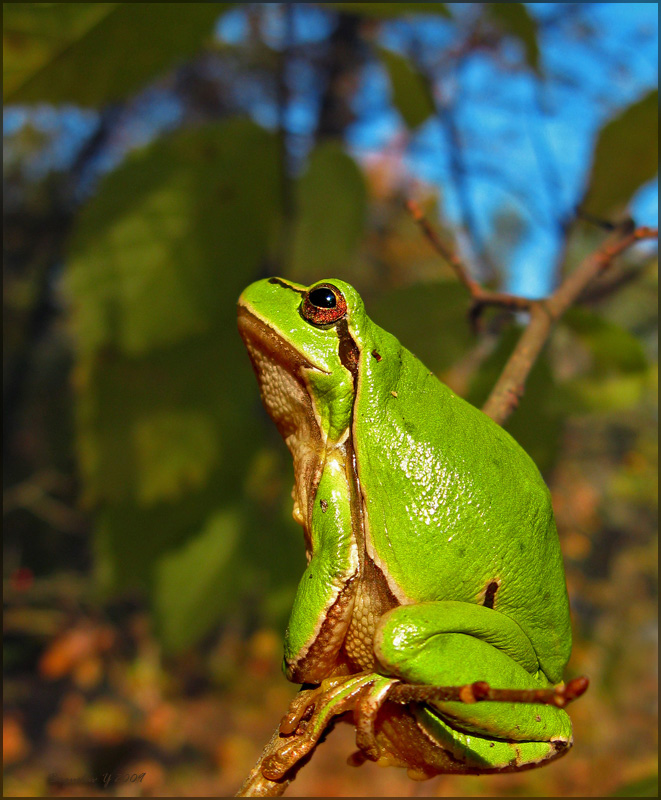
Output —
(308, 717)
(303, 705)
(365, 713)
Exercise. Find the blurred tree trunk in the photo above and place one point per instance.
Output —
(345, 56)
(35, 238)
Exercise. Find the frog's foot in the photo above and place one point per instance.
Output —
(365, 712)
(312, 710)
(303, 705)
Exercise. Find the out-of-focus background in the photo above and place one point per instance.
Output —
(158, 157)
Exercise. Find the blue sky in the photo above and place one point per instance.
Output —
(525, 126)
(527, 147)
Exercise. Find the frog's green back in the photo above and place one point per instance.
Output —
(454, 505)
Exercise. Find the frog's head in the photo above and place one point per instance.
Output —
(302, 345)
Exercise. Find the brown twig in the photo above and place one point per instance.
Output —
(509, 388)
(558, 696)
(544, 313)
(604, 288)
(437, 243)
(481, 297)
(256, 785)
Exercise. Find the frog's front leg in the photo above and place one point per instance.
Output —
(450, 643)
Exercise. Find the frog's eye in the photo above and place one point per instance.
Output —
(323, 304)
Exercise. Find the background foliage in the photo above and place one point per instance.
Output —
(156, 162)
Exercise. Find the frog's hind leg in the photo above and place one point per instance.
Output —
(485, 754)
(449, 643)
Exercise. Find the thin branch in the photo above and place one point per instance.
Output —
(601, 289)
(509, 388)
(559, 696)
(32, 497)
(437, 243)
(256, 785)
(481, 297)
(283, 101)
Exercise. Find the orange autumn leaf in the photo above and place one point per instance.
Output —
(14, 743)
(71, 648)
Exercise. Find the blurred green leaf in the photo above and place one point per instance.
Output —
(647, 787)
(94, 53)
(537, 422)
(411, 93)
(207, 549)
(613, 347)
(635, 306)
(610, 393)
(154, 494)
(164, 386)
(152, 428)
(175, 448)
(625, 157)
(390, 10)
(517, 21)
(194, 582)
(430, 319)
(167, 441)
(167, 431)
(172, 236)
(331, 213)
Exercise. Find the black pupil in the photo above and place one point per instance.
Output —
(322, 298)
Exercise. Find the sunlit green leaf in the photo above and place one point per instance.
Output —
(517, 20)
(411, 93)
(94, 53)
(429, 319)
(625, 157)
(613, 347)
(331, 213)
(172, 236)
(390, 10)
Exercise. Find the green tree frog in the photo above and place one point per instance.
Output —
(433, 557)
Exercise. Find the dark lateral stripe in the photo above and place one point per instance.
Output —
(348, 350)
(282, 283)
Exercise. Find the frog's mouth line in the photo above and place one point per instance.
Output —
(255, 332)
(280, 372)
